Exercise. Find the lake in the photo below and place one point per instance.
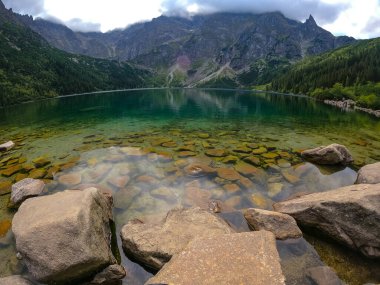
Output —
(153, 149)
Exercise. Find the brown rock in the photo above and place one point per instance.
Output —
(155, 244)
(228, 174)
(5, 187)
(111, 275)
(11, 170)
(184, 154)
(260, 150)
(369, 174)
(350, 215)
(225, 259)
(254, 160)
(5, 226)
(281, 225)
(198, 170)
(231, 187)
(70, 180)
(332, 154)
(119, 181)
(41, 162)
(216, 152)
(37, 173)
(250, 171)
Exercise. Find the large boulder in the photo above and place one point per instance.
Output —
(65, 236)
(14, 280)
(283, 226)
(244, 258)
(154, 244)
(369, 174)
(350, 215)
(26, 188)
(332, 154)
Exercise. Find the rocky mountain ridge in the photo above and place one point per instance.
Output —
(234, 49)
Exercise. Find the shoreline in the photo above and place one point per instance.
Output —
(349, 105)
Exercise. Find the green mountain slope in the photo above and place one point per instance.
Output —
(351, 72)
(31, 69)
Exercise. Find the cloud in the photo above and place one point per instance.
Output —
(295, 9)
(30, 7)
(81, 26)
(372, 27)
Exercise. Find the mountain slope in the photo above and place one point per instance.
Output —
(31, 69)
(348, 72)
(254, 48)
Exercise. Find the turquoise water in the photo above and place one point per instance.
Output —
(144, 146)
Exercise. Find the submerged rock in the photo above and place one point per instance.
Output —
(281, 225)
(323, 275)
(5, 187)
(26, 188)
(369, 174)
(15, 280)
(350, 215)
(240, 258)
(65, 236)
(332, 154)
(70, 179)
(154, 244)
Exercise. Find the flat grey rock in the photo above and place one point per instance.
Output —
(239, 258)
(154, 244)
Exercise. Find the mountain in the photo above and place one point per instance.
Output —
(31, 69)
(351, 72)
(223, 49)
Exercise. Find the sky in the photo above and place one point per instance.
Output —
(357, 18)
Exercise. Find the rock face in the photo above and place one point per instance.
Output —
(65, 236)
(244, 258)
(154, 245)
(281, 225)
(350, 215)
(369, 174)
(7, 146)
(15, 280)
(332, 154)
(26, 188)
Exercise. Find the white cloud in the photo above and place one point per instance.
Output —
(356, 21)
(358, 18)
(110, 14)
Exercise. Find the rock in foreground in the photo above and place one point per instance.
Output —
(154, 244)
(369, 174)
(350, 215)
(15, 280)
(25, 189)
(65, 236)
(281, 225)
(330, 155)
(244, 258)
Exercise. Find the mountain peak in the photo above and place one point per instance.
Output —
(311, 21)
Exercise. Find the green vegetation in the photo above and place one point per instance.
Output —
(351, 72)
(30, 69)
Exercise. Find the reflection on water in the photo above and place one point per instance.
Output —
(159, 149)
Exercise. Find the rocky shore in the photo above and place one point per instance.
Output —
(351, 105)
(67, 236)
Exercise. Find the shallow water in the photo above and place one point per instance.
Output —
(148, 148)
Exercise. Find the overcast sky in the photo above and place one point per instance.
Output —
(357, 18)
